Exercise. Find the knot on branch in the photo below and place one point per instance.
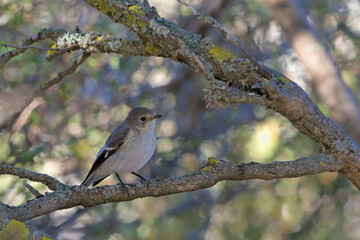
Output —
(217, 95)
(212, 163)
(220, 94)
(217, 165)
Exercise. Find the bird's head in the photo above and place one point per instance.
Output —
(142, 118)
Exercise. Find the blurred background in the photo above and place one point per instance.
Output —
(60, 133)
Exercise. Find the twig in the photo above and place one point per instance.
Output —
(38, 48)
(49, 181)
(193, 57)
(64, 73)
(4, 58)
(45, 86)
(36, 193)
(43, 34)
(21, 120)
(228, 37)
(78, 30)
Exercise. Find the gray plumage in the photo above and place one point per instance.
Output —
(128, 148)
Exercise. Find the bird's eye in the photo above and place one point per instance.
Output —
(143, 119)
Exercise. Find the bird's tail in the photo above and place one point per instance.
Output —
(90, 179)
(97, 181)
(86, 182)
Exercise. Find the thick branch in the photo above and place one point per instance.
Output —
(206, 177)
(3, 217)
(220, 95)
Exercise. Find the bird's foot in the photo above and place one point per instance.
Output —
(147, 182)
(125, 188)
(143, 180)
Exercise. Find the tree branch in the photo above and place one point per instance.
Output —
(23, 103)
(281, 94)
(219, 94)
(63, 74)
(3, 217)
(163, 38)
(35, 192)
(101, 43)
(206, 177)
(49, 181)
(227, 36)
(33, 47)
(46, 33)
(326, 78)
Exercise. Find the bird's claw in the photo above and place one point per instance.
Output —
(125, 188)
(145, 181)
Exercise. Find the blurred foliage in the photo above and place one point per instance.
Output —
(62, 135)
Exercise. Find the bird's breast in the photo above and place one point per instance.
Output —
(136, 152)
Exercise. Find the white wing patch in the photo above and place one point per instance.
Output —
(108, 149)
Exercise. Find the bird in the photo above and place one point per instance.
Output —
(128, 148)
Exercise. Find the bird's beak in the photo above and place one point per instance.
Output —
(157, 116)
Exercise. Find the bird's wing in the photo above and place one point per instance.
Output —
(115, 141)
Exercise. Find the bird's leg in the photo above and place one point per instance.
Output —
(122, 184)
(142, 179)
